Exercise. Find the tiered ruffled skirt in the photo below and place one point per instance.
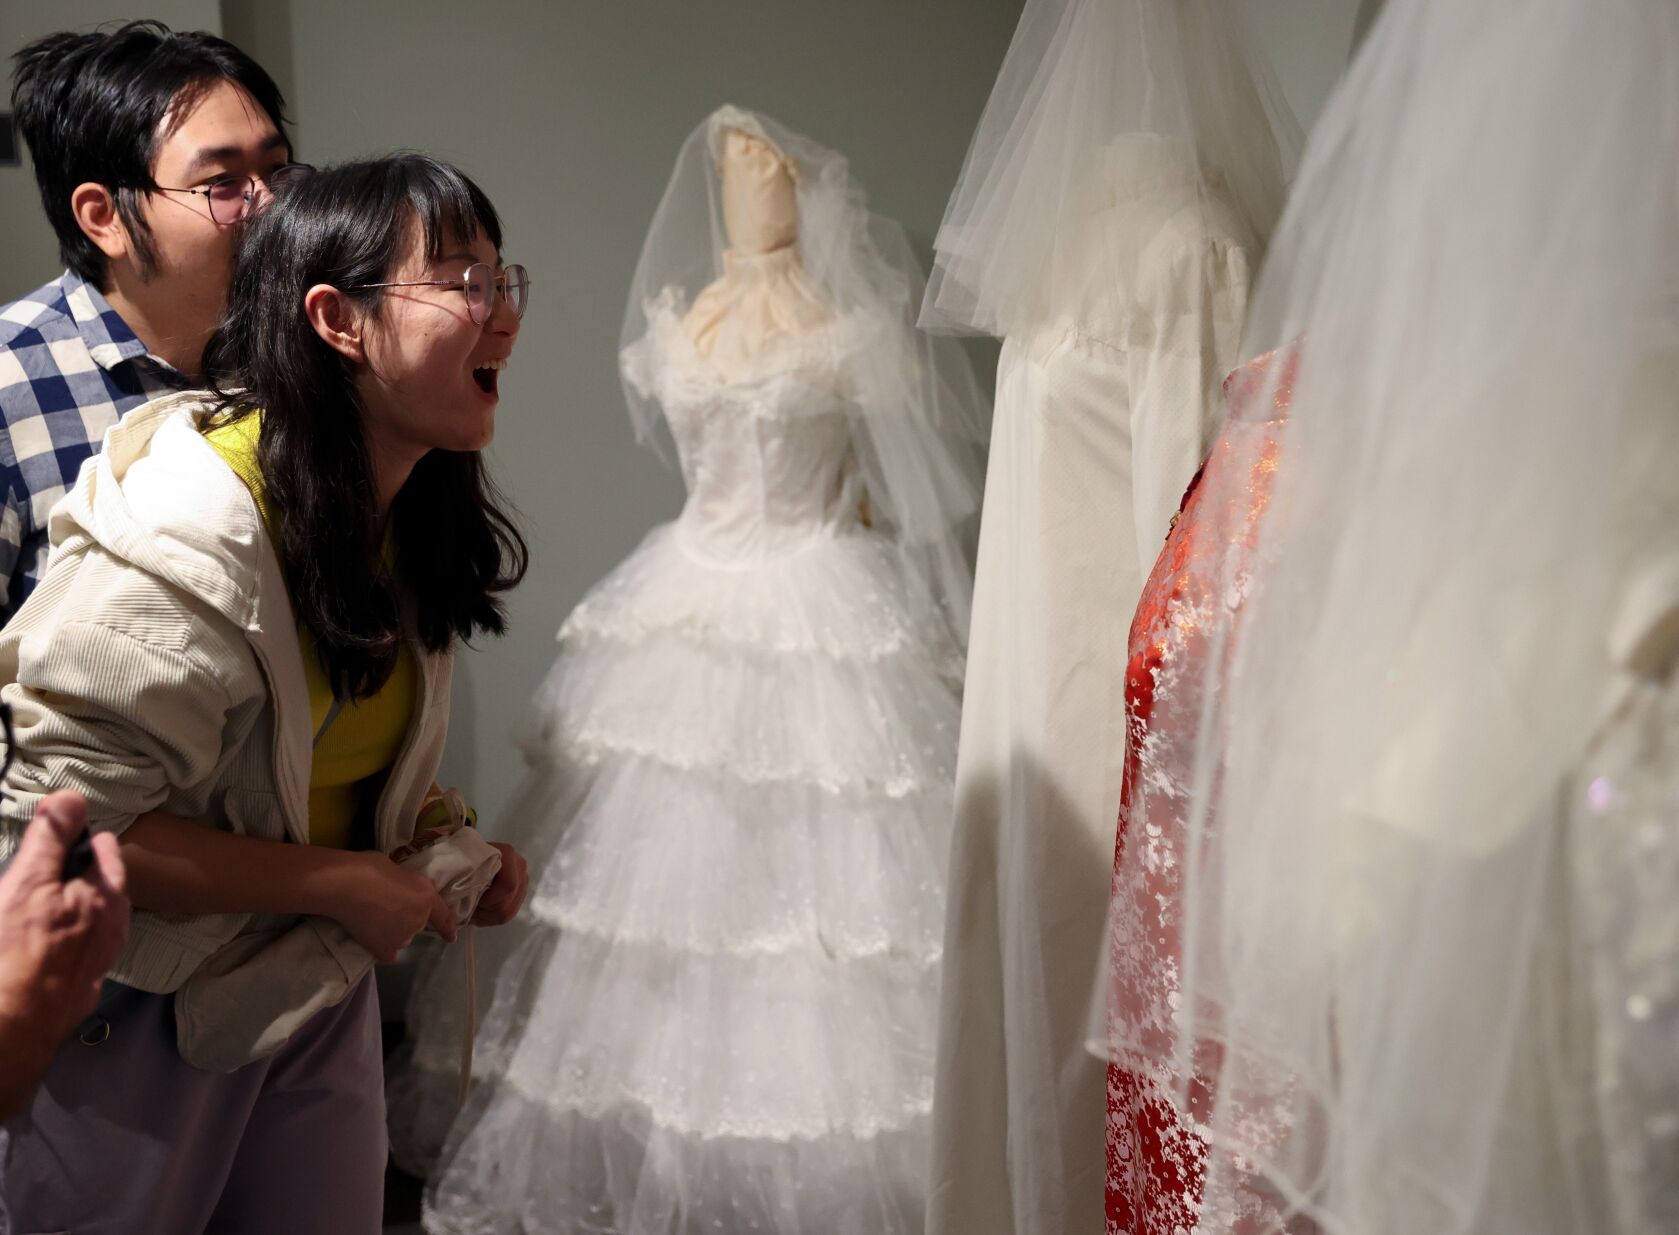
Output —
(718, 1013)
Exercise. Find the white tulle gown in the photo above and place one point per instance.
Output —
(720, 1016)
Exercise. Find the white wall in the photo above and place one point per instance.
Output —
(1309, 42)
(28, 248)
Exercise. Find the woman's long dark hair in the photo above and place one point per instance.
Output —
(455, 549)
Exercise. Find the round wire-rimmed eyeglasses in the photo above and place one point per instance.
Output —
(481, 284)
(233, 199)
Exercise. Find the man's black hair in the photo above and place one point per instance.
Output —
(96, 107)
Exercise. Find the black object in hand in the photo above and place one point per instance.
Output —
(78, 858)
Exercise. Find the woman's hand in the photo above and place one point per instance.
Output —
(504, 896)
(384, 907)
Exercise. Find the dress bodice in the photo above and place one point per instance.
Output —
(765, 456)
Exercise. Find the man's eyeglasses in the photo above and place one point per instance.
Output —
(232, 199)
(481, 284)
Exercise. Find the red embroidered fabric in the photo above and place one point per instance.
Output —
(1155, 1156)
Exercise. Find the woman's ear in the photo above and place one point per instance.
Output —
(333, 316)
(95, 212)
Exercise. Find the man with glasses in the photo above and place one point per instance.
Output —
(149, 147)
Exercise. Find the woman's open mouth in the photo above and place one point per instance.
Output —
(486, 375)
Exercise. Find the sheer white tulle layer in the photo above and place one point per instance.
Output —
(717, 1012)
(1379, 919)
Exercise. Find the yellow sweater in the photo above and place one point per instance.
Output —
(357, 749)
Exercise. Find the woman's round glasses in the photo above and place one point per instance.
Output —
(481, 284)
(233, 199)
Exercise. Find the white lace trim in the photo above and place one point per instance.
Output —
(885, 1159)
(584, 625)
(593, 747)
(781, 1131)
(806, 941)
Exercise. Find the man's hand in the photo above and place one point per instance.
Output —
(57, 941)
(502, 899)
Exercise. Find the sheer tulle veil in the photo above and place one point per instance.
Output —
(1082, 79)
(1478, 263)
(920, 418)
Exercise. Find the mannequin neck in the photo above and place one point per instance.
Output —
(762, 300)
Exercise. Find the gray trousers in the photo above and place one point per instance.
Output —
(123, 1138)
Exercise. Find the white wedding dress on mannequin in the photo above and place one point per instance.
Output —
(1107, 225)
(721, 1016)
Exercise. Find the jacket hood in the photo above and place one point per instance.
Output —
(160, 498)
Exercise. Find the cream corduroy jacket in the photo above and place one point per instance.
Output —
(157, 667)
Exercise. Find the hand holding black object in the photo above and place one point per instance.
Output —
(78, 858)
(61, 938)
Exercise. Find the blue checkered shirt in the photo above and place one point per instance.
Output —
(69, 368)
